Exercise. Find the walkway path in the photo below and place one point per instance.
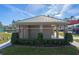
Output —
(76, 38)
(8, 43)
(74, 43)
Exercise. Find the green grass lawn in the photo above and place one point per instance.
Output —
(24, 50)
(6, 37)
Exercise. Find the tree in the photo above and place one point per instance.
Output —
(13, 24)
(13, 21)
(1, 24)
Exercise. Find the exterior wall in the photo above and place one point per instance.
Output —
(23, 32)
(47, 31)
(32, 31)
(35, 29)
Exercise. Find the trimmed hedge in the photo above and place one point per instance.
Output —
(68, 37)
(40, 36)
(40, 41)
(14, 38)
(36, 42)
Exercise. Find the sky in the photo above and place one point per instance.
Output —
(10, 12)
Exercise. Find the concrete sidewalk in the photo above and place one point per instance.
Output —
(74, 43)
(76, 38)
(8, 43)
(4, 45)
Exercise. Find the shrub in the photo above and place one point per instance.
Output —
(26, 42)
(39, 40)
(22, 41)
(14, 38)
(55, 42)
(40, 36)
(68, 37)
(44, 42)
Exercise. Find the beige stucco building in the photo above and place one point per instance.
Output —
(29, 28)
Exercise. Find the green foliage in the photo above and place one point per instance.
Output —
(68, 37)
(40, 36)
(40, 41)
(26, 42)
(14, 38)
(44, 42)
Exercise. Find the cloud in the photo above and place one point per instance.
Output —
(54, 9)
(36, 8)
(19, 10)
(50, 9)
(63, 10)
(32, 10)
(77, 17)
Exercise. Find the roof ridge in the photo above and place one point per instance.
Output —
(48, 19)
(38, 16)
